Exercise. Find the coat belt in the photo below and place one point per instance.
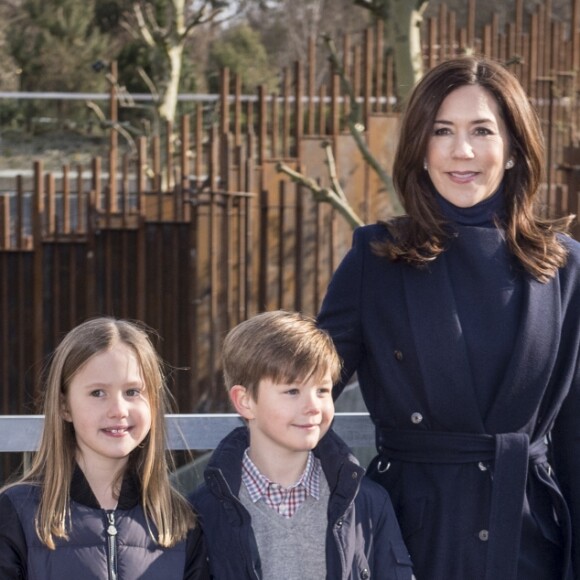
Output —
(511, 454)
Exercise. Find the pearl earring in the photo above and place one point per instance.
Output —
(425, 167)
(509, 164)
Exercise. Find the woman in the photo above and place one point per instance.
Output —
(462, 322)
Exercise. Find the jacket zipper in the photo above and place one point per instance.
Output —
(112, 545)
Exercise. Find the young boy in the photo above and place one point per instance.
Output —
(284, 499)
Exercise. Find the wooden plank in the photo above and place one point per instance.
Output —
(367, 73)
(224, 100)
(22, 239)
(298, 106)
(5, 354)
(238, 110)
(311, 86)
(38, 276)
(5, 236)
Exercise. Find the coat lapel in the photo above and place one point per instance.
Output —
(441, 346)
(533, 358)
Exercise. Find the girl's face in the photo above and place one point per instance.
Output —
(108, 406)
(468, 148)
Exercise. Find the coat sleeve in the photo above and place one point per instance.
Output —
(13, 553)
(565, 444)
(196, 565)
(565, 435)
(340, 312)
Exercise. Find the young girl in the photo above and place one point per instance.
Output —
(97, 502)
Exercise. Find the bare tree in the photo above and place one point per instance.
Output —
(286, 27)
(167, 36)
(402, 20)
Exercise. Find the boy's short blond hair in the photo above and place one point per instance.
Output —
(284, 347)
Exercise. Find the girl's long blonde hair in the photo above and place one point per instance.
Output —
(53, 465)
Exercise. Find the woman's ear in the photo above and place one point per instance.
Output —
(242, 401)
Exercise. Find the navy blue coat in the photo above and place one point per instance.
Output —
(363, 537)
(474, 493)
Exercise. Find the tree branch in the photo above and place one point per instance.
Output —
(356, 128)
(323, 194)
(114, 125)
(332, 173)
(142, 27)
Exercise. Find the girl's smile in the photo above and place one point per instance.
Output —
(108, 406)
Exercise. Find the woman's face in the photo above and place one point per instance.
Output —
(468, 148)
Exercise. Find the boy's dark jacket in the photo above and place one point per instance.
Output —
(363, 537)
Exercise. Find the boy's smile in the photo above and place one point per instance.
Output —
(288, 420)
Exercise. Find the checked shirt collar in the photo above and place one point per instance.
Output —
(285, 501)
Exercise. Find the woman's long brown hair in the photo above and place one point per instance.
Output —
(423, 234)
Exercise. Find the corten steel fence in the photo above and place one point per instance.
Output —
(197, 229)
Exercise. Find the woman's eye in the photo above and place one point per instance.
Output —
(483, 131)
(441, 131)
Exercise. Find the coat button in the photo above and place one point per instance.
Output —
(483, 535)
(398, 355)
(482, 466)
(416, 418)
(364, 574)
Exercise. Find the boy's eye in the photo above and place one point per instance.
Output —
(292, 391)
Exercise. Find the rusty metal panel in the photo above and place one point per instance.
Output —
(382, 139)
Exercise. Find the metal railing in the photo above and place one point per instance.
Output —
(21, 433)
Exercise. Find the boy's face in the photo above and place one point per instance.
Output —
(290, 418)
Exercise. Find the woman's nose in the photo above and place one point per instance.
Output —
(462, 148)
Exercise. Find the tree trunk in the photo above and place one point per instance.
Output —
(168, 96)
(406, 23)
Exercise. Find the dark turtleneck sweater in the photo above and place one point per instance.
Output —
(487, 287)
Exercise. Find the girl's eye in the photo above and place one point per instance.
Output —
(98, 393)
(133, 392)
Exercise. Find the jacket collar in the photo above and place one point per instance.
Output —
(340, 468)
(81, 492)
